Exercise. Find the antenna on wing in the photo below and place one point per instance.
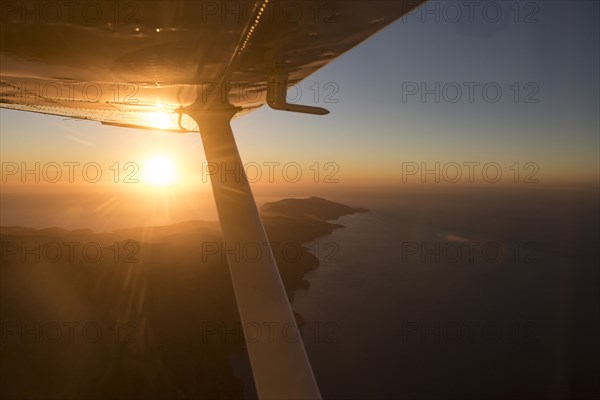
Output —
(277, 87)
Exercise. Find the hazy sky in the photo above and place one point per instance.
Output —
(542, 55)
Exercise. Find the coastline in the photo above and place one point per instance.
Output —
(161, 285)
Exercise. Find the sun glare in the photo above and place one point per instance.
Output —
(159, 120)
(160, 171)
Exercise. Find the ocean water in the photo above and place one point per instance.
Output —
(477, 294)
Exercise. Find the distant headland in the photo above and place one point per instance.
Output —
(161, 296)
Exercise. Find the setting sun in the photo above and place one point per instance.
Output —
(160, 171)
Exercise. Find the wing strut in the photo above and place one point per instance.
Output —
(279, 362)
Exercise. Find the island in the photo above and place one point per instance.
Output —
(145, 312)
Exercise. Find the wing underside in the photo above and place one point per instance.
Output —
(136, 64)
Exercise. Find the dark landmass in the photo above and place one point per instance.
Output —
(314, 208)
(141, 313)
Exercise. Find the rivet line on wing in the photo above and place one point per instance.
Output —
(254, 25)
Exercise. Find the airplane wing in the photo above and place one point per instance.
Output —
(137, 63)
